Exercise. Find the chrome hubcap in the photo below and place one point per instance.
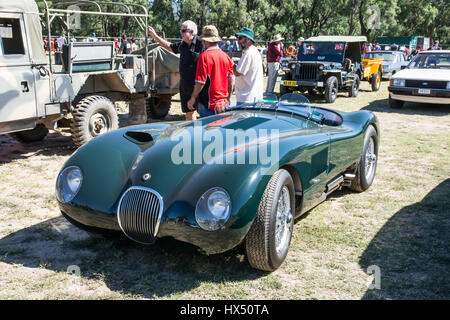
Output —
(98, 124)
(284, 220)
(371, 159)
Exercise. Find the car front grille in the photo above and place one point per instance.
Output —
(306, 71)
(426, 84)
(139, 213)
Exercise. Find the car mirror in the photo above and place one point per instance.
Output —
(403, 67)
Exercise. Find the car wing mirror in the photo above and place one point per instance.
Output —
(403, 67)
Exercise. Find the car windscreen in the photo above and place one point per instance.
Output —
(387, 56)
(322, 51)
(430, 61)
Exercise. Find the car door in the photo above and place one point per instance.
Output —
(17, 90)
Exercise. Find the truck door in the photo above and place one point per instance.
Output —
(18, 108)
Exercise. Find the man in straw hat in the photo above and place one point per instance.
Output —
(249, 73)
(274, 54)
(215, 71)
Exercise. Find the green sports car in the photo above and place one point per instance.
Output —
(238, 177)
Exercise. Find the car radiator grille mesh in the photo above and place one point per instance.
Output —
(306, 71)
(139, 213)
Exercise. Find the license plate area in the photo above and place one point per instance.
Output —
(424, 91)
(289, 83)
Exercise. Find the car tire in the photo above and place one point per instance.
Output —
(375, 81)
(367, 166)
(158, 107)
(395, 104)
(268, 240)
(33, 135)
(331, 89)
(93, 116)
(354, 89)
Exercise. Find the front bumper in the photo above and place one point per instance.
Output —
(302, 83)
(177, 222)
(410, 94)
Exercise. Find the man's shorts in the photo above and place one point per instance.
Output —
(184, 100)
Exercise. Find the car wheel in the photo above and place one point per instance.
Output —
(33, 135)
(395, 104)
(268, 240)
(93, 116)
(375, 81)
(354, 89)
(158, 107)
(331, 89)
(368, 162)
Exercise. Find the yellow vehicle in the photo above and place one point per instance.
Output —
(372, 71)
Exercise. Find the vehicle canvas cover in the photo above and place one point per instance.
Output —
(167, 73)
(30, 12)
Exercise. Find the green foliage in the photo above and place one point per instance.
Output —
(291, 18)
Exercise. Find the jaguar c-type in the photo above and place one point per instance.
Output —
(238, 177)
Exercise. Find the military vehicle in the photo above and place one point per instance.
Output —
(326, 65)
(79, 92)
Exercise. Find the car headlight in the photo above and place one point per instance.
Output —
(448, 85)
(398, 82)
(68, 183)
(320, 67)
(213, 209)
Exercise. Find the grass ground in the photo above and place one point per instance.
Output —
(401, 225)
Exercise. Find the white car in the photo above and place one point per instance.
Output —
(426, 79)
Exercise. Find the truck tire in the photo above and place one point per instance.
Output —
(33, 135)
(158, 107)
(93, 116)
(331, 89)
(354, 89)
(375, 81)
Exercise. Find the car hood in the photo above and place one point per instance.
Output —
(423, 74)
(174, 161)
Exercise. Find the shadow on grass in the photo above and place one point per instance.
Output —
(409, 108)
(411, 250)
(167, 268)
(53, 144)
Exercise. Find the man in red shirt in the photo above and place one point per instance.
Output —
(214, 69)
(274, 55)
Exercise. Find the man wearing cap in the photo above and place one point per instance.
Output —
(189, 49)
(125, 46)
(300, 47)
(214, 71)
(249, 83)
(274, 54)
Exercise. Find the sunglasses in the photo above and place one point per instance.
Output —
(184, 30)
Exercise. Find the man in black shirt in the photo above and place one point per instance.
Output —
(125, 46)
(189, 49)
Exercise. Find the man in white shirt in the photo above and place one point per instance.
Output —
(249, 84)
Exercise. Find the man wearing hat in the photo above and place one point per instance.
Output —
(300, 47)
(215, 71)
(249, 83)
(274, 54)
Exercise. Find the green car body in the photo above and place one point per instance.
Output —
(313, 152)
